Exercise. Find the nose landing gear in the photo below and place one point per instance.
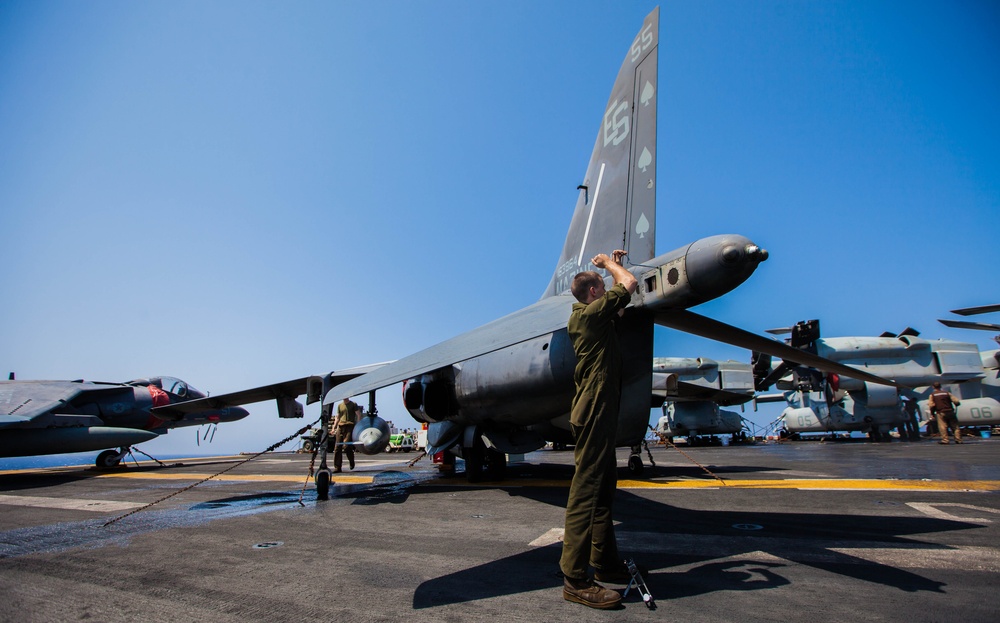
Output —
(635, 466)
(110, 459)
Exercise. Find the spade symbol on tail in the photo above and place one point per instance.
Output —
(645, 159)
(642, 226)
(647, 94)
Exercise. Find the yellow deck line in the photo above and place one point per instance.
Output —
(791, 483)
(337, 478)
(820, 484)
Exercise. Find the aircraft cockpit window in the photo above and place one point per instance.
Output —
(178, 388)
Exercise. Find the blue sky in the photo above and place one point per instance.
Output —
(238, 193)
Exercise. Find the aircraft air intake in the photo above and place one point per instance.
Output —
(432, 397)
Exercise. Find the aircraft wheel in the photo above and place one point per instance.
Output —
(108, 459)
(323, 484)
(475, 457)
(307, 445)
(635, 465)
(496, 465)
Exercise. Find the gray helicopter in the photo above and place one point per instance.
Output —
(691, 392)
(826, 403)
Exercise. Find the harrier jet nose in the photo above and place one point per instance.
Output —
(718, 264)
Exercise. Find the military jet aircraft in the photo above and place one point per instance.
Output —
(842, 402)
(53, 417)
(507, 386)
(691, 391)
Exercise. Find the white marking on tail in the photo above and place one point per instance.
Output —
(586, 233)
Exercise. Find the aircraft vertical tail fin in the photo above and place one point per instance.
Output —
(616, 208)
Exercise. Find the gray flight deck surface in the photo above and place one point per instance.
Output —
(802, 531)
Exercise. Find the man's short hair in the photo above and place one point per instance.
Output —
(937, 384)
(583, 282)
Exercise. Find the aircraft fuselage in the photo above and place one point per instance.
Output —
(530, 384)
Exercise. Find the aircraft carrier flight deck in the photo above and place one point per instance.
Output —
(790, 531)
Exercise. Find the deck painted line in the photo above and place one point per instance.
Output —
(771, 549)
(962, 557)
(299, 478)
(553, 536)
(804, 484)
(968, 511)
(99, 506)
(820, 484)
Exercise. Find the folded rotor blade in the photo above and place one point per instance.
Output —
(972, 311)
(772, 378)
(690, 322)
(965, 324)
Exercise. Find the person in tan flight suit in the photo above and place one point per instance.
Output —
(343, 425)
(589, 538)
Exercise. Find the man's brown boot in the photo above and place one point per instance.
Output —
(590, 593)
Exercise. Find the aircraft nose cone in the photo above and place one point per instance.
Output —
(718, 264)
(755, 252)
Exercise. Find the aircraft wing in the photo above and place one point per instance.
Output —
(693, 391)
(286, 389)
(546, 316)
(690, 322)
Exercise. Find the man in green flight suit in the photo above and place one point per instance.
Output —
(343, 426)
(589, 538)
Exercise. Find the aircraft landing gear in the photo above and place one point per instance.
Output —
(323, 478)
(496, 464)
(635, 466)
(111, 458)
(482, 462)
